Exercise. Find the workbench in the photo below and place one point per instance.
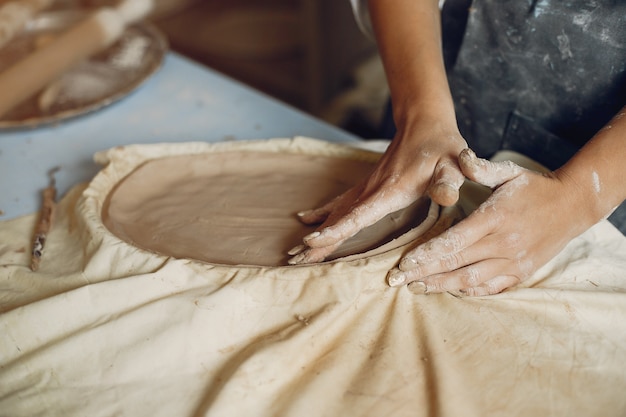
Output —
(104, 328)
(182, 102)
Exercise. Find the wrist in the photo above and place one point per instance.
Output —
(583, 196)
(437, 119)
(433, 107)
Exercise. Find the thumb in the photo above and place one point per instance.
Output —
(482, 171)
(447, 179)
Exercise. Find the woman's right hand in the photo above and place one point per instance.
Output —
(420, 161)
(422, 158)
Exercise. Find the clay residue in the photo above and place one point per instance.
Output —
(236, 208)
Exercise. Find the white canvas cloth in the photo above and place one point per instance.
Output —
(105, 329)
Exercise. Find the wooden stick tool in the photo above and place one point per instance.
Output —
(44, 223)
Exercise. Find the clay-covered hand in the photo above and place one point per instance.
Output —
(408, 170)
(526, 221)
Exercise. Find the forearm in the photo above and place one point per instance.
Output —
(408, 34)
(598, 171)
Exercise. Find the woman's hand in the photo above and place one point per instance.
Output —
(527, 220)
(422, 158)
(424, 163)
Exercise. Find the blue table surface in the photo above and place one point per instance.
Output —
(182, 102)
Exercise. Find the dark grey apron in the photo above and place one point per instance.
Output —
(537, 77)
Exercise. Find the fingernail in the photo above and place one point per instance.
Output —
(469, 152)
(303, 213)
(296, 250)
(395, 278)
(406, 264)
(418, 287)
(311, 236)
(296, 259)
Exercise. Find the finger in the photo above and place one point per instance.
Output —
(399, 276)
(365, 214)
(462, 270)
(447, 179)
(427, 257)
(482, 171)
(493, 286)
(470, 276)
(319, 215)
(315, 216)
(448, 263)
(312, 255)
(296, 250)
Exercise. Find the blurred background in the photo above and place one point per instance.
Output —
(308, 53)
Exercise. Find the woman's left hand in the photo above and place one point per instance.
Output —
(528, 219)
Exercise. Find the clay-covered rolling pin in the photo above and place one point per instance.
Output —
(14, 16)
(93, 34)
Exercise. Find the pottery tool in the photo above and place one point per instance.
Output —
(44, 223)
(91, 35)
(14, 16)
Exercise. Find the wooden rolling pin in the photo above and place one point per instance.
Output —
(103, 27)
(14, 16)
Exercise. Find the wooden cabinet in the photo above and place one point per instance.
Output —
(300, 51)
